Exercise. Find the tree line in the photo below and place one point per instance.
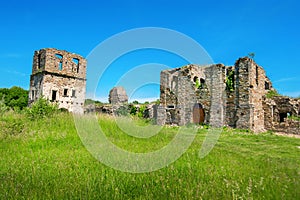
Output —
(15, 97)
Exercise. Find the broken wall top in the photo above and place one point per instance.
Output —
(59, 62)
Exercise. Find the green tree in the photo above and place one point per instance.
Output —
(135, 102)
(15, 97)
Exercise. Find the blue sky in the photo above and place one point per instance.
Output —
(226, 29)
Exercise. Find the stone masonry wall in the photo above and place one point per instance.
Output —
(59, 76)
(251, 85)
(279, 113)
(182, 88)
(229, 95)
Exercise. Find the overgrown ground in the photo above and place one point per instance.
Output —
(45, 159)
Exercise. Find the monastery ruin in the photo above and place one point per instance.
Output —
(221, 95)
(60, 77)
(218, 95)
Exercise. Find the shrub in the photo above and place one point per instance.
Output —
(41, 108)
(272, 93)
(141, 111)
(122, 111)
(133, 109)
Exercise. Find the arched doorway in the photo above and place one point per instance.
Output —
(198, 114)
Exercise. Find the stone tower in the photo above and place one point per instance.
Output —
(251, 85)
(118, 95)
(60, 77)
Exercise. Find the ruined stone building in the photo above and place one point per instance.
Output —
(221, 95)
(117, 95)
(60, 77)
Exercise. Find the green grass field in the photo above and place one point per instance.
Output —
(45, 159)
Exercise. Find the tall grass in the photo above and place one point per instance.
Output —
(45, 159)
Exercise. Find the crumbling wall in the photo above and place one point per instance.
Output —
(60, 77)
(117, 95)
(230, 102)
(229, 95)
(279, 113)
(250, 88)
(192, 86)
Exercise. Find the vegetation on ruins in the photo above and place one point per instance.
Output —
(251, 55)
(230, 81)
(91, 101)
(272, 93)
(296, 118)
(198, 84)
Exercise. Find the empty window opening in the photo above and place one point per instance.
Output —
(76, 61)
(256, 75)
(39, 61)
(267, 85)
(54, 94)
(32, 94)
(58, 56)
(60, 63)
(196, 79)
(282, 116)
(65, 92)
(171, 106)
(73, 93)
(202, 80)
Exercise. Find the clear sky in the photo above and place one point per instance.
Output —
(226, 29)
